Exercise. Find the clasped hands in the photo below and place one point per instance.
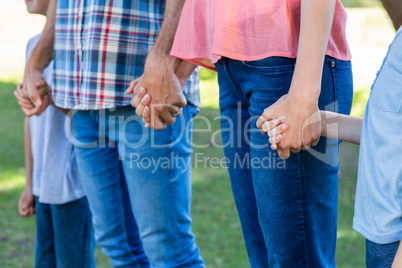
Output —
(299, 114)
(158, 94)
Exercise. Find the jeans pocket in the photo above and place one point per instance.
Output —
(272, 64)
(386, 92)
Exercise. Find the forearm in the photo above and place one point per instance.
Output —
(398, 258)
(183, 71)
(28, 153)
(164, 41)
(316, 23)
(42, 54)
(341, 127)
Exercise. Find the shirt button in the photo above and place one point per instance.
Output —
(333, 63)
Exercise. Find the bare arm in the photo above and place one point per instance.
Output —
(301, 103)
(159, 78)
(398, 258)
(341, 127)
(26, 204)
(39, 59)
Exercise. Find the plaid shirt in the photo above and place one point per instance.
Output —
(100, 46)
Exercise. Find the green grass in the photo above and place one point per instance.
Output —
(361, 3)
(216, 223)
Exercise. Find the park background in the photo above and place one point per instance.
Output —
(216, 223)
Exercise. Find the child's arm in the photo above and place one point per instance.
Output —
(341, 127)
(26, 204)
(398, 258)
(333, 125)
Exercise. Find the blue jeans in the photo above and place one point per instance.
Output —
(287, 209)
(113, 143)
(380, 256)
(64, 235)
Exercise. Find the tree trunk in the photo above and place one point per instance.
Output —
(394, 9)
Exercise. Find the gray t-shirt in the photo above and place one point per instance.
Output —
(55, 172)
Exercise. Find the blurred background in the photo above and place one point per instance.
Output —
(216, 224)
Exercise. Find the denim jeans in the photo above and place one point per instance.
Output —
(287, 208)
(380, 256)
(64, 235)
(113, 143)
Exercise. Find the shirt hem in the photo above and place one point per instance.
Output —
(377, 238)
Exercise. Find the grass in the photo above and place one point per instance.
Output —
(216, 223)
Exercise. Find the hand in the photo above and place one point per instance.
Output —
(26, 204)
(26, 105)
(164, 88)
(274, 128)
(34, 75)
(303, 119)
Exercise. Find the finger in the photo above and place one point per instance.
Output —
(22, 91)
(157, 123)
(268, 125)
(141, 106)
(146, 114)
(23, 100)
(283, 153)
(131, 87)
(178, 111)
(23, 211)
(28, 112)
(45, 104)
(34, 96)
(179, 100)
(40, 83)
(275, 139)
(314, 143)
(266, 115)
(139, 97)
(278, 130)
(305, 147)
(295, 151)
(24, 103)
(274, 147)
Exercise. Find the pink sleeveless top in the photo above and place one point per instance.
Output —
(248, 30)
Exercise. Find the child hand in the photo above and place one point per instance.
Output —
(26, 204)
(274, 128)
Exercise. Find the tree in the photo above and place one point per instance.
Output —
(394, 9)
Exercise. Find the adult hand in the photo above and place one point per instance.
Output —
(26, 105)
(26, 204)
(33, 75)
(164, 89)
(301, 114)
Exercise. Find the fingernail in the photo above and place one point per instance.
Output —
(142, 90)
(146, 97)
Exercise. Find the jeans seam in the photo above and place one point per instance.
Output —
(336, 92)
(127, 246)
(302, 223)
(173, 197)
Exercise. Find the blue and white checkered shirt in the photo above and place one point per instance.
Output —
(100, 46)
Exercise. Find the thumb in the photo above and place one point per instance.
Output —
(34, 96)
(266, 116)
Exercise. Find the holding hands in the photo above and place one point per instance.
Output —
(158, 94)
(302, 129)
(42, 92)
